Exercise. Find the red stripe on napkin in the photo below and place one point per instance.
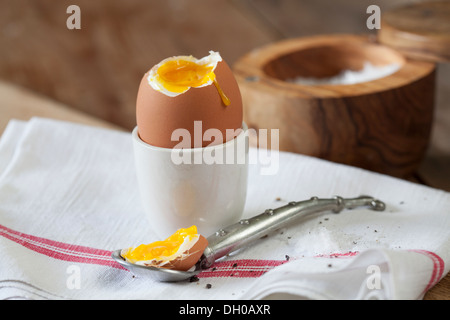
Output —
(245, 268)
(82, 254)
(438, 268)
(339, 255)
(252, 268)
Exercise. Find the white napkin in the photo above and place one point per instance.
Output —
(68, 197)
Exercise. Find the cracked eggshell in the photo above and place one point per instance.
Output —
(158, 115)
(190, 257)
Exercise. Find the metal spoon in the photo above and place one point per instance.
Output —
(246, 231)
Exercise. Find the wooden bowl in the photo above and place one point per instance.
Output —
(382, 125)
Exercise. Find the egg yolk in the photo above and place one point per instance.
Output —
(178, 75)
(160, 250)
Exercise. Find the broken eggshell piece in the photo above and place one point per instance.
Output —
(181, 251)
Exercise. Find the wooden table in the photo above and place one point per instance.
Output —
(19, 103)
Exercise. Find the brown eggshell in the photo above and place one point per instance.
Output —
(158, 115)
(190, 257)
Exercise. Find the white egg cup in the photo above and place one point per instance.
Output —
(208, 191)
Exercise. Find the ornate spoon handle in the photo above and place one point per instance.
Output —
(246, 231)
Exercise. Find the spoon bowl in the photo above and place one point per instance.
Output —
(158, 274)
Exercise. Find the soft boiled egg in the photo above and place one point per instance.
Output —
(182, 92)
(180, 251)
